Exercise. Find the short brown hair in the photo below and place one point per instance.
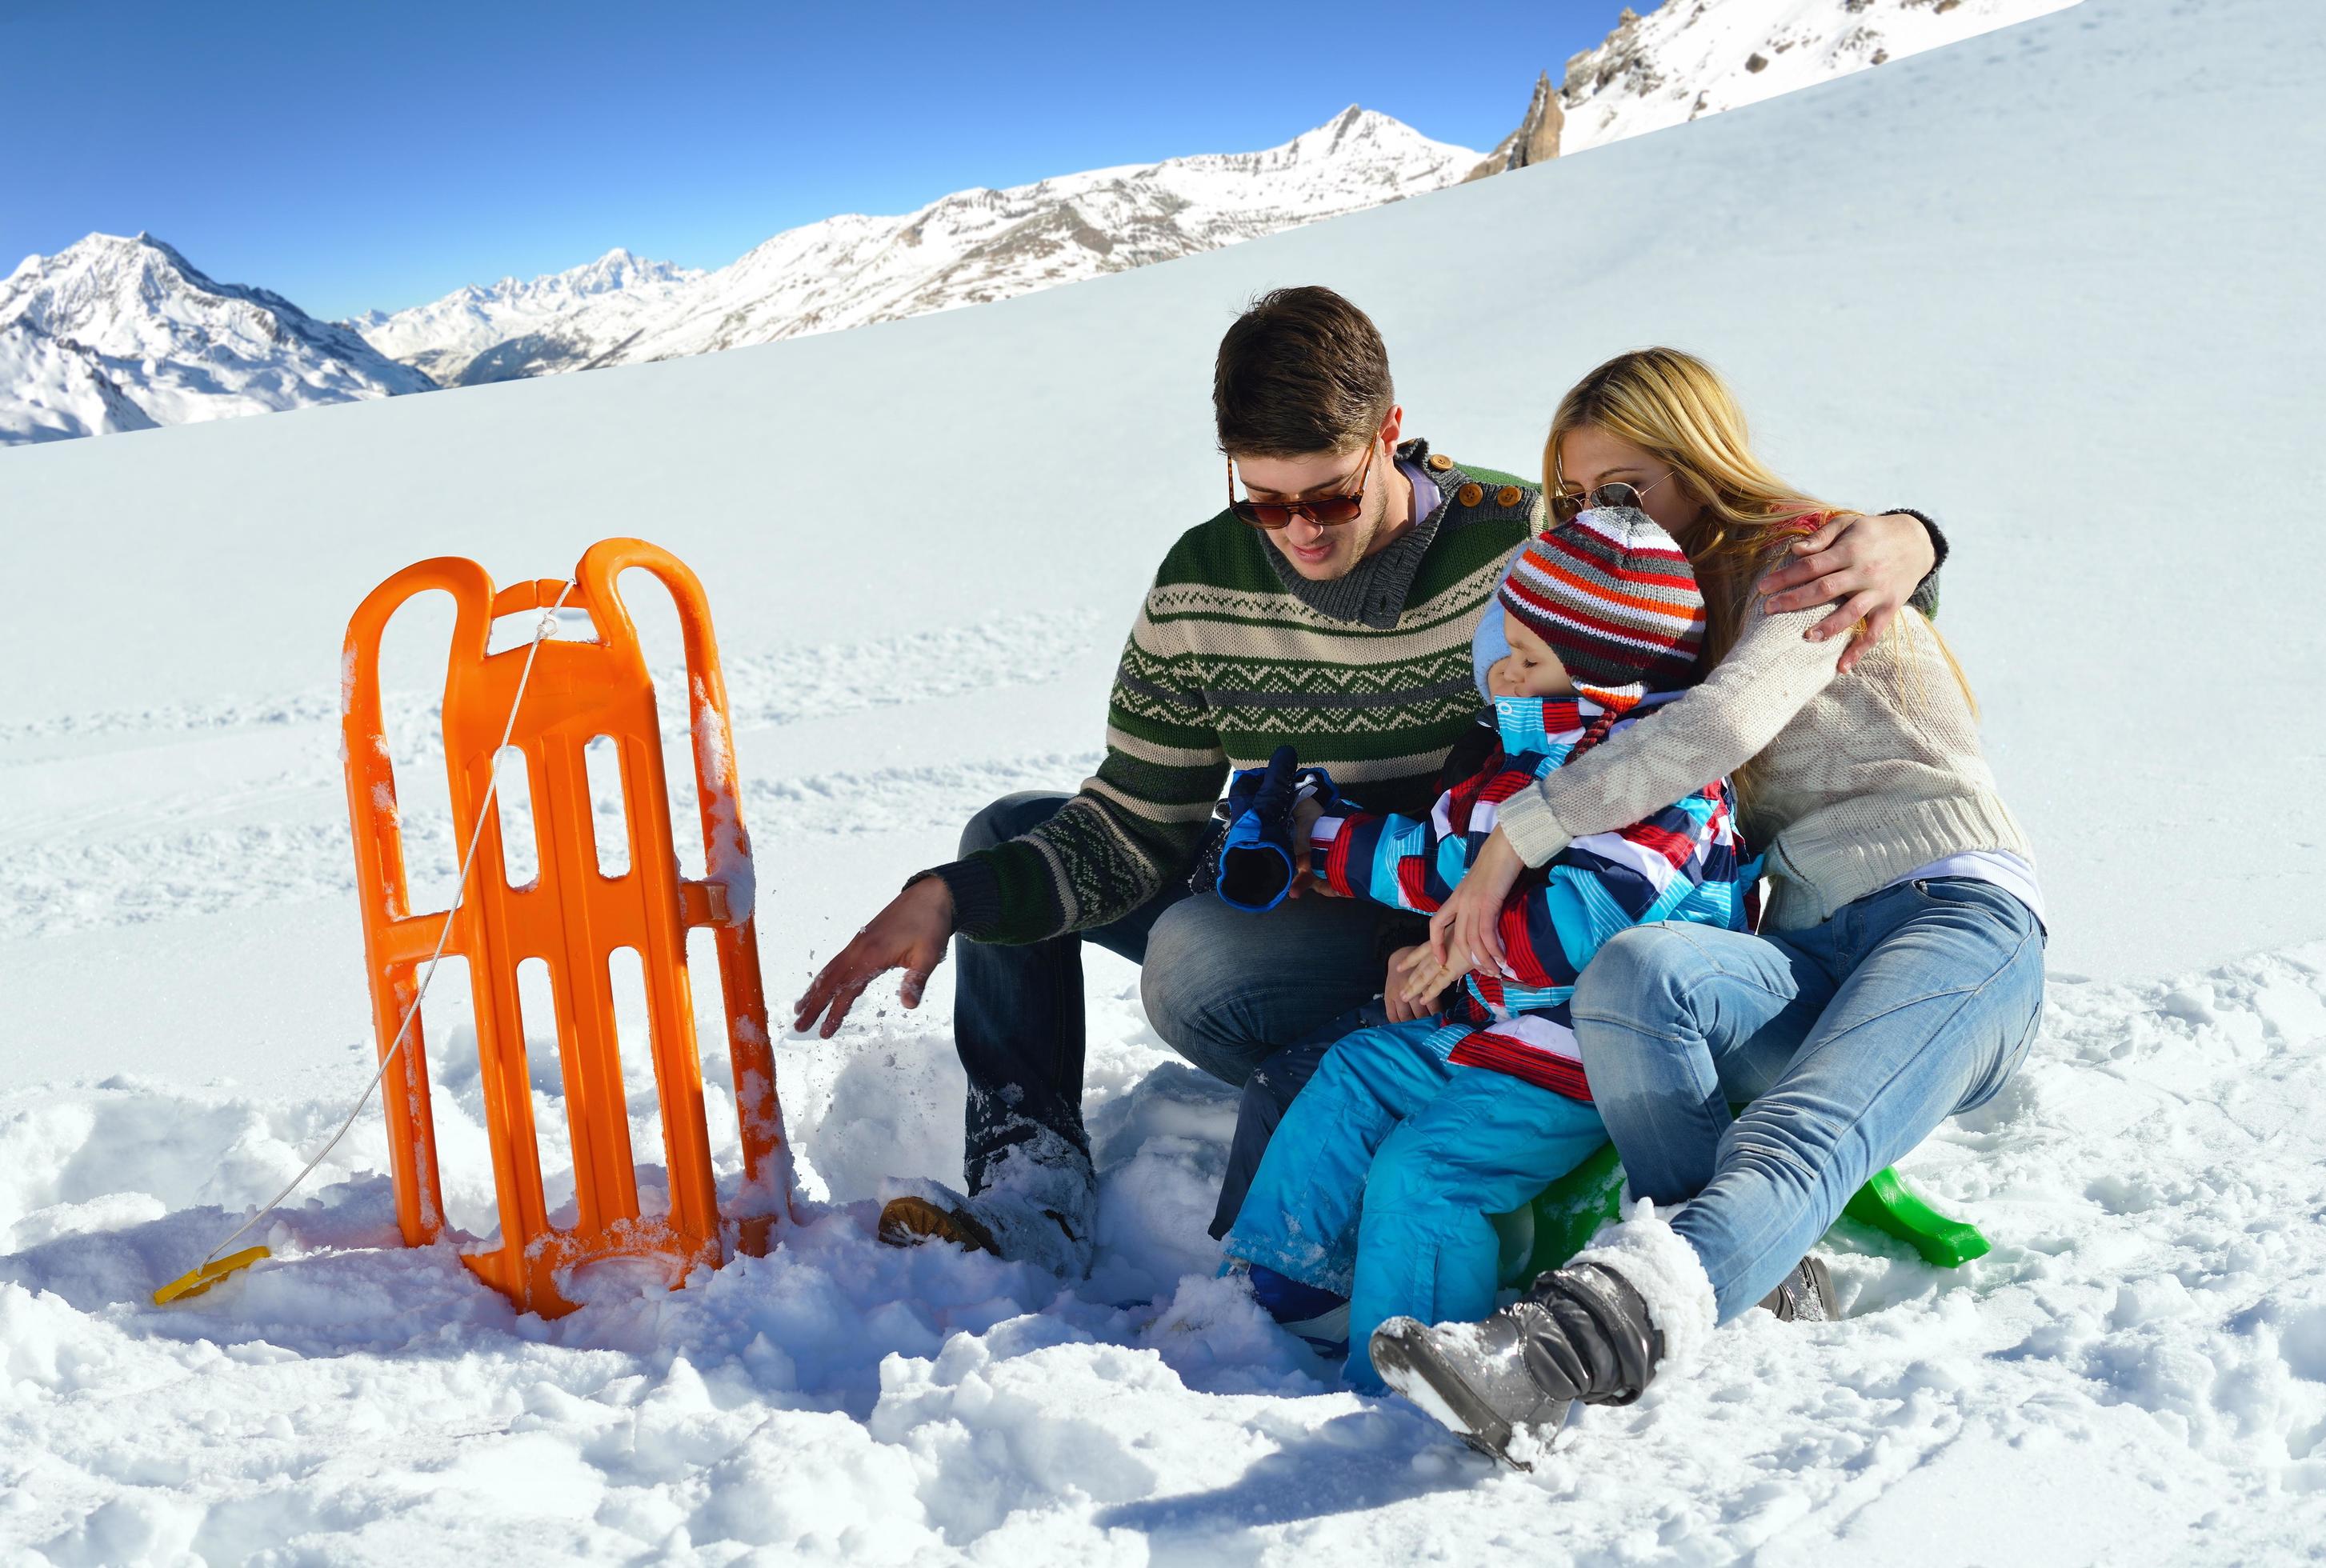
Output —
(1302, 370)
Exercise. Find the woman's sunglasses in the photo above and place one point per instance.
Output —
(1565, 507)
(1330, 512)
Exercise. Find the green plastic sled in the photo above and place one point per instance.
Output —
(1573, 1208)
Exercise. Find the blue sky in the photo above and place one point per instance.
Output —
(355, 154)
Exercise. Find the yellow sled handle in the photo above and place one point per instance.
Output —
(200, 1279)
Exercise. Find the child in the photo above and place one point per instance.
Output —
(1380, 1182)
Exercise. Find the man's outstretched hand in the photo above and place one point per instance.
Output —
(910, 935)
(1866, 568)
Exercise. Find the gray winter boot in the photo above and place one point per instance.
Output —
(1597, 1330)
(1581, 1333)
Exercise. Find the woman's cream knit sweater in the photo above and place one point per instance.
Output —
(1859, 778)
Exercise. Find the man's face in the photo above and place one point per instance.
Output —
(1319, 553)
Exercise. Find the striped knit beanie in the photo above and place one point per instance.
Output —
(1614, 597)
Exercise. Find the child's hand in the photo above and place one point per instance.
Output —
(1415, 980)
(1401, 966)
(1467, 930)
(1421, 992)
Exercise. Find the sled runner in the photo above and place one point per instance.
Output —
(573, 916)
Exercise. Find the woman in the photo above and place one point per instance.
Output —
(1898, 978)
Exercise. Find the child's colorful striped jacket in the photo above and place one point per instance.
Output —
(1679, 864)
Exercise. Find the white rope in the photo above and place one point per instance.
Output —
(541, 634)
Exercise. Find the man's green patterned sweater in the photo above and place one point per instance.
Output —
(1234, 654)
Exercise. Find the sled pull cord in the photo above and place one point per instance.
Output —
(213, 1267)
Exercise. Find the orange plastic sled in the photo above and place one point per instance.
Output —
(573, 917)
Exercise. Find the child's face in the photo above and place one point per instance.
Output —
(1529, 669)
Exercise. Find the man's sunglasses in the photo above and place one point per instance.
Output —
(1565, 505)
(1330, 512)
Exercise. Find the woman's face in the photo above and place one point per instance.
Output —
(1589, 458)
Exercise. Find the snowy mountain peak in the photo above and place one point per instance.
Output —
(170, 341)
(618, 268)
(1354, 130)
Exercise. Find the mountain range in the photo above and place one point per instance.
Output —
(482, 326)
(116, 334)
(963, 249)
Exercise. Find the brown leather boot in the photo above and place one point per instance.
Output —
(911, 1221)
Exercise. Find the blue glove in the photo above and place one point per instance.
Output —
(1256, 858)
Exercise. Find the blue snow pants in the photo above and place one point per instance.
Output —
(1380, 1181)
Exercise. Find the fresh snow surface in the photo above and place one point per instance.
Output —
(178, 346)
(967, 248)
(1982, 280)
(1691, 58)
(444, 336)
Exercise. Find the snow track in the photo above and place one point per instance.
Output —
(780, 687)
(95, 845)
(64, 883)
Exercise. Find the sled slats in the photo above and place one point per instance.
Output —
(573, 918)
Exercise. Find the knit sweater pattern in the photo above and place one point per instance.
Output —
(1855, 780)
(1233, 655)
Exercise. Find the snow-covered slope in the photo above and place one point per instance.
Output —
(444, 336)
(183, 347)
(1691, 58)
(920, 603)
(57, 389)
(970, 247)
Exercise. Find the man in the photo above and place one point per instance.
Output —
(1330, 609)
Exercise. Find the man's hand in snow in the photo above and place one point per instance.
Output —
(1866, 568)
(910, 935)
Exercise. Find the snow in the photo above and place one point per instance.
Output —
(1958, 281)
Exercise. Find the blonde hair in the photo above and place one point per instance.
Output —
(1676, 408)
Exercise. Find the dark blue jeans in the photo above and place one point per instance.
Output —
(1225, 989)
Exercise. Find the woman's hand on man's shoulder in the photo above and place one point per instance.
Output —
(1866, 568)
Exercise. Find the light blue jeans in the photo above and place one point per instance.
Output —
(1382, 1179)
(1851, 1040)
